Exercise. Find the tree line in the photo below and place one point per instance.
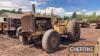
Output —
(93, 17)
(19, 11)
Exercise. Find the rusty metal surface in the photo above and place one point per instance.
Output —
(27, 23)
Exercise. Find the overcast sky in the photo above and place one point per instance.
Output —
(61, 7)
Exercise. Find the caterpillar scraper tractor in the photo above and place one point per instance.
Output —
(1, 24)
(84, 23)
(97, 24)
(9, 23)
(47, 30)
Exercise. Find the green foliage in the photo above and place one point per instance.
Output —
(3, 10)
(11, 11)
(66, 18)
(90, 18)
(79, 17)
(74, 15)
(98, 17)
(93, 16)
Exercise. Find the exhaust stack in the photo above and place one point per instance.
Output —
(33, 8)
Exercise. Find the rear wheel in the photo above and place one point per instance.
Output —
(73, 30)
(51, 41)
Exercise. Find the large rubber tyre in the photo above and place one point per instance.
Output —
(23, 40)
(73, 30)
(51, 41)
(18, 31)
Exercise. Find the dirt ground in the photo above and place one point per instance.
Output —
(12, 47)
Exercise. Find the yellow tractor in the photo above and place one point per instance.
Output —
(2, 24)
(47, 30)
(97, 24)
(1, 27)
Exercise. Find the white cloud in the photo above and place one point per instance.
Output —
(62, 12)
(98, 12)
(8, 4)
(68, 13)
(35, 2)
(56, 11)
(81, 12)
(5, 4)
(84, 10)
(13, 4)
(88, 13)
(27, 4)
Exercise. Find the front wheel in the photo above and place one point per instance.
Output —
(18, 31)
(50, 41)
(23, 40)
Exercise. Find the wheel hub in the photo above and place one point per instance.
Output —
(54, 42)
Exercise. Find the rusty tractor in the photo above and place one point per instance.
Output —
(10, 23)
(1, 24)
(84, 23)
(97, 24)
(47, 30)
